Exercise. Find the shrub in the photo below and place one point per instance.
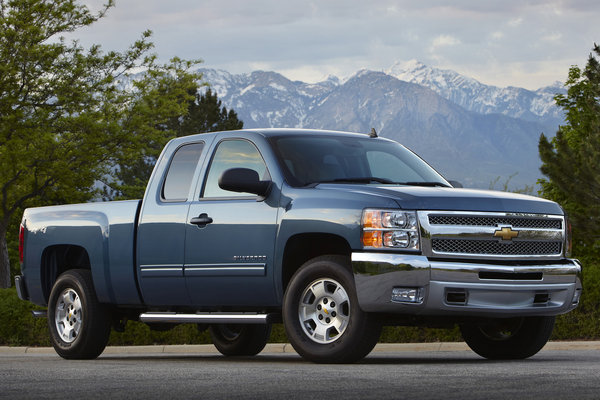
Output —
(18, 327)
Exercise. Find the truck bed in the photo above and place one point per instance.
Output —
(107, 233)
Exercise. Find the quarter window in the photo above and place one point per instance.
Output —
(181, 171)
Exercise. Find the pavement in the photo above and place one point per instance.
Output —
(281, 348)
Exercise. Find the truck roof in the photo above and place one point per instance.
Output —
(267, 132)
(271, 132)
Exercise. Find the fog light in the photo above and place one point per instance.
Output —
(576, 296)
(407, 295)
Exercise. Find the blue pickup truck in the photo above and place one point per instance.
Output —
(334, 234)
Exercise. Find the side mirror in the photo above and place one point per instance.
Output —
(456, 184)
(244, 180)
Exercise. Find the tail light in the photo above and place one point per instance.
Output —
(21, 242)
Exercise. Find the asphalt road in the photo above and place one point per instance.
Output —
(388, 373)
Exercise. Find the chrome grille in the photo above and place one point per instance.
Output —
(462, 246)
(493, 235)
(515, 222)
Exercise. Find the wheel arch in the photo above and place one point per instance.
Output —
(58, 259)
(305, 246)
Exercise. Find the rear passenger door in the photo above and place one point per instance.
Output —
(161, 230)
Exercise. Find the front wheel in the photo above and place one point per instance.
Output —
(507, 339)
(321, 315)
(79, 325)
(240, 340)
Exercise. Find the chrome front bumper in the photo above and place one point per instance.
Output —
(453, 288)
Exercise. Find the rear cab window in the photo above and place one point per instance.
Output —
(178, 180)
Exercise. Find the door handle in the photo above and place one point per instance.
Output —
(201, 220)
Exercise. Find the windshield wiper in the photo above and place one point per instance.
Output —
(366, 179)
(429, 184)
(374, 179)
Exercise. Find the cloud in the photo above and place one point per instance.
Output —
(441, 43)
(313, 38)
(552, 37)
(497, 35)
(515, 22)
(445, 41)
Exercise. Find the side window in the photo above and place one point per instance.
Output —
(233, 154)
(181, 171)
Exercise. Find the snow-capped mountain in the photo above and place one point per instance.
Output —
(537, 106)
(468, 131)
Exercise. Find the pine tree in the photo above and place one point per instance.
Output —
(571, 161)
(205, 113)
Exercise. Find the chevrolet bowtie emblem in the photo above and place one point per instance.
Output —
(506, 233)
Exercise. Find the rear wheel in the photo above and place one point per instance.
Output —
(240, 340)
(79, 325)
(322, 318)
(505, 339)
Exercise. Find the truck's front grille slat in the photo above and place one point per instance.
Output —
(465, 246)
(515, 222)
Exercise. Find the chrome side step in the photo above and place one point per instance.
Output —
(206, 318)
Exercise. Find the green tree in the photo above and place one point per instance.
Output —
(66, 119)
(205, 113)
(571, 161)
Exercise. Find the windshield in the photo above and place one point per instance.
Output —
(308, 159)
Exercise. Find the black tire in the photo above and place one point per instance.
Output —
(508, 339)
(338, 333)
(79, 325)
(240, 340)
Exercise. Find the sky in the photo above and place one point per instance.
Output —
(524, 43)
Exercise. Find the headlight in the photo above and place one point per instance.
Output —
(390, 229)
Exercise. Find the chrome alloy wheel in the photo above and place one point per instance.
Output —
(324, 310)
(68, 315)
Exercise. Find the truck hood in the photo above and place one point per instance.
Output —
(451, 199)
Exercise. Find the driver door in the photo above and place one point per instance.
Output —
(229, 256)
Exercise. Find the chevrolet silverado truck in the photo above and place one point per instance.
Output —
(334, 234)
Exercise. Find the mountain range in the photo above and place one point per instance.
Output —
(470, 132)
